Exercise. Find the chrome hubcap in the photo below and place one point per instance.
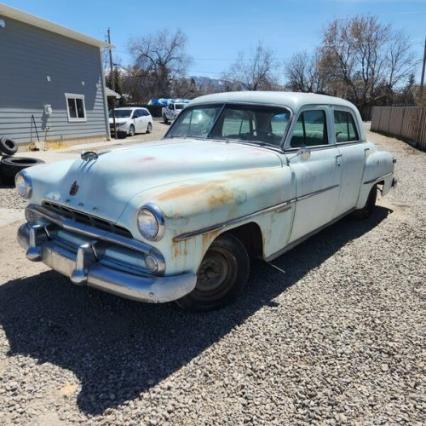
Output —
(212, 273)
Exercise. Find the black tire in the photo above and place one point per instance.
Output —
(370, 205)
(7, 146)
(121, 134)
(149, 128)
(165, 120)
(10, 166)
(222, 276)
(132, 130)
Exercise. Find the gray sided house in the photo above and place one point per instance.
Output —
(51, 81)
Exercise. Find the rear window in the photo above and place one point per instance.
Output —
(344, 126)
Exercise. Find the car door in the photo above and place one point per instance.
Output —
(145, 119)
(138, 115)
(315, 169)
(353, 153)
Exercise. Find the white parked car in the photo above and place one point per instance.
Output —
(172, 110)
(238, 175)
(130, 121)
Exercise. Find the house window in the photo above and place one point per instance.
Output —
(75, 107)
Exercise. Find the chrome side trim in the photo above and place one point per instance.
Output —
(281, 207)
(92, 232)
(320, 191)
(377, 178)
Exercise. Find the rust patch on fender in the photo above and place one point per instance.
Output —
(147, 159)
(207, 238)
(180, 248)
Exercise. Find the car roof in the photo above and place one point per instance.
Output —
(292, 100)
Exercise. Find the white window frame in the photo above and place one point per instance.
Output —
(75, 96)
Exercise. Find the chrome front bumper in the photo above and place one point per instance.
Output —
(84, 268)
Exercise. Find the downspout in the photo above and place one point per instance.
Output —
(108, 134)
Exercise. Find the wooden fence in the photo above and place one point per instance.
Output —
(409, 123)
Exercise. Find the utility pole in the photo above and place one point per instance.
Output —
(422, 82)
(112, 83)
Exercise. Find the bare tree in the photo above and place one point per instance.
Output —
(303, 72)
(159, 59)
(364, 60)
(255, 71)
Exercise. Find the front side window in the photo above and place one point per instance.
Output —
(194, 122)
(258, 124)
(75, 107)
(344, 126)
(310, 129)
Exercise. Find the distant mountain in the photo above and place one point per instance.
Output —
(206, 83)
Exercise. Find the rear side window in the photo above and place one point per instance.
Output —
(344, 126)
(310, 129)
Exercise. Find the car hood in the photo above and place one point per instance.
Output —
(104, 186)
(119, 120)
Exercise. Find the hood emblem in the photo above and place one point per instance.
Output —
(89, 156)
(74, 188)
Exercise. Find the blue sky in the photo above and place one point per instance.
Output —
(217, 30)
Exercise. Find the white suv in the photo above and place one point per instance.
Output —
(130, 121)
(172, 110)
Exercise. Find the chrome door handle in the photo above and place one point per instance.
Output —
(339, 160)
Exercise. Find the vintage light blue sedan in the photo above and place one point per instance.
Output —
(237, 175)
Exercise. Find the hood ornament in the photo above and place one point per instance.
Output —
(74, 188)
(89, 155)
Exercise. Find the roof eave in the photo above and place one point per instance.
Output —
(18, 15)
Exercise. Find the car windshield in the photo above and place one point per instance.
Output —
(251, 123)
(121, 113)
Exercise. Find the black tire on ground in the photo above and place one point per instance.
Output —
(370, 205)
(222, 276)
(7, 146)
(165, 120)
(10, 166)
(132, 130)
(121, 134)
(149, 128)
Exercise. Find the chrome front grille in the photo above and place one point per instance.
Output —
(84, 218)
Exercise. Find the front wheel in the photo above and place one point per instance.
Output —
(132, 130)
(221, 277)
(149, 128)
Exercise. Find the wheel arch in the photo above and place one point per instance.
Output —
(250, 234)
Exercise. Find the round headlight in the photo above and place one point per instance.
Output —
(23, 185)
(151, 222)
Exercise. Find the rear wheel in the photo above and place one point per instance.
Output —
(370, 205)
(221, 277)
(149, 128)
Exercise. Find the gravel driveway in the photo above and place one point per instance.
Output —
(338, 338)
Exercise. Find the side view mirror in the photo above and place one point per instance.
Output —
(303, 152)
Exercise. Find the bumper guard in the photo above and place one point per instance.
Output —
(83, 268)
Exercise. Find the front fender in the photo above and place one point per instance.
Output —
(217, 198)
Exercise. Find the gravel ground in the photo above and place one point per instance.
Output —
(8, 198)
(338, 338)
